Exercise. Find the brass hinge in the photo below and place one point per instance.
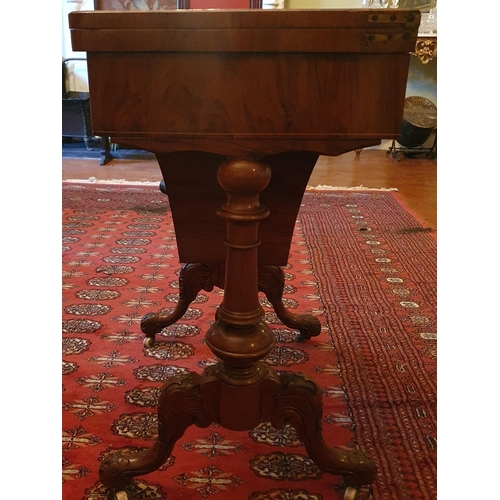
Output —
(393, 17)
(388, 37)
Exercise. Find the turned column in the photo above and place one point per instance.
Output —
(239, 337)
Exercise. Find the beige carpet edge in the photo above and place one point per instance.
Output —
(345, 188)
(321, 187)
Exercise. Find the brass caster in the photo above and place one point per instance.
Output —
(301, 337)
(147, 343)
(351, 493)
(118, 495)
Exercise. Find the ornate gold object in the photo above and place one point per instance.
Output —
(426, 49)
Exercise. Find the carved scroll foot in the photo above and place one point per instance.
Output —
(180, 405)
(279, 397)
(272, 282)
(193, 278)
(299, 404)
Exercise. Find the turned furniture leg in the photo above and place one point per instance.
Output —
(272, 282)
(271, 278)
(228, 393)
(239, 392)
(193, 278)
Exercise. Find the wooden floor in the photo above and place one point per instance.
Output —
(415, 178)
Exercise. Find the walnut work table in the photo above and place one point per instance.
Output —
(237, 105)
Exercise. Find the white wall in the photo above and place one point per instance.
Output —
(77, 70)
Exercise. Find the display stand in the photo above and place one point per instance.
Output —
(416, 150)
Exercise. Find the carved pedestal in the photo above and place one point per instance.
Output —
(239, 392)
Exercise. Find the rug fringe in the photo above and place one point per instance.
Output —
(94, 180)
(322, 187)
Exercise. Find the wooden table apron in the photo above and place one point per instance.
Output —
(237, 106)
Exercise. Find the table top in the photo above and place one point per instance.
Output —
(239, 82)
(323, 31)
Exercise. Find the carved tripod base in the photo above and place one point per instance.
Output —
(196, 277)
(282, 398)
(239, 392)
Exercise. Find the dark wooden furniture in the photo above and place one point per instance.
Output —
(76, 116)
(70, 110)
(76, 120)
(237, 106)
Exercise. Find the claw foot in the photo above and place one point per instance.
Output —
(110, 472)
(356, 468)
(309, 327)
(149, 323)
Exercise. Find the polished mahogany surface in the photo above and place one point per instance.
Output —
(247, 81)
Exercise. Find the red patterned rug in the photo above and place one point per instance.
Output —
(359, 262)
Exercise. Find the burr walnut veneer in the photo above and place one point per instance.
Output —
(237, 106)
